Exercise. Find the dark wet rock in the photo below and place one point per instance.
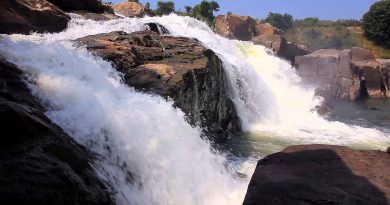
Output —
(388, 150)
(179, 68)
(39, 163)
(156, 27)
(95, 6)
(25, 16)
(321, 174)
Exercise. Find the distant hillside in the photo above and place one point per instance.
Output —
(341, 34)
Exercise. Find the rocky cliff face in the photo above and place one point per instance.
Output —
(178, 68)
(321, 174)
(39, 163)
(336, 73)
(246, 28)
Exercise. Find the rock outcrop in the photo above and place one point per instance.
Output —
(132, 9)
(25, 16)
(178, 68)
(321, 174)
(336, 73)
(39, 163)
(246, 28)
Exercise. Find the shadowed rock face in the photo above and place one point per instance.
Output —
(39, 163)
(25, 16)
(321, 174)
(179, 68)
(336, 73)
(77, 5)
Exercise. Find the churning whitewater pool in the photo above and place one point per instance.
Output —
(144, 135)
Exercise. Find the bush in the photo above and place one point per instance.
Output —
(376, 23)
(282, 22)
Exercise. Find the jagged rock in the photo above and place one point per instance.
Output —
(95, 6)
(179, 68)
(39, 163)
(336, 73)
(25, 16)
(321, 174)
(246, 28)
(156, 27)
(132, 9)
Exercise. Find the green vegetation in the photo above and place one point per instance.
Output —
(205, 11)
(341, 34)
(164, 8)
(376, 23)
(280, 21)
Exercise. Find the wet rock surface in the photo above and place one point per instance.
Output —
(39, 163)
(321, 174)
(25, 16)
(181, 69)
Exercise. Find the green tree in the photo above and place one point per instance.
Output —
(188, 9)
(280, 21)
(376, 23)
(164, 8)
(136, 1)
(147, 5)
(205, 11)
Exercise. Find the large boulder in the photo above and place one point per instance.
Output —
(131, 9)
(25, 16)
(336, 73)
(246, 28)
(78, 5)
(235, 27)
(39, 163)
(321, 174)
(181, 69)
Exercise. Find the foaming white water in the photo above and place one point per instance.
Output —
(146, 136)
(149, 154)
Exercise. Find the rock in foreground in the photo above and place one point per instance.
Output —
(39, 163)
(321, 174)
(25, 16)
(179, 68)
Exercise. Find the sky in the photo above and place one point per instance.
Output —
(299, 9)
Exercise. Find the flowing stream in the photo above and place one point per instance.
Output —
(148, 153)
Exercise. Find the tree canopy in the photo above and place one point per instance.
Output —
(280, 21)
(205, 11)
(164, 8)
(376, 23)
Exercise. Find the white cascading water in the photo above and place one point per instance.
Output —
(144, 135)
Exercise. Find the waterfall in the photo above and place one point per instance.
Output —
(148, 153)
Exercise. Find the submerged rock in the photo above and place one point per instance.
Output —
(178, 68)
(321, 174)
(39, 163)
(25, 16)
